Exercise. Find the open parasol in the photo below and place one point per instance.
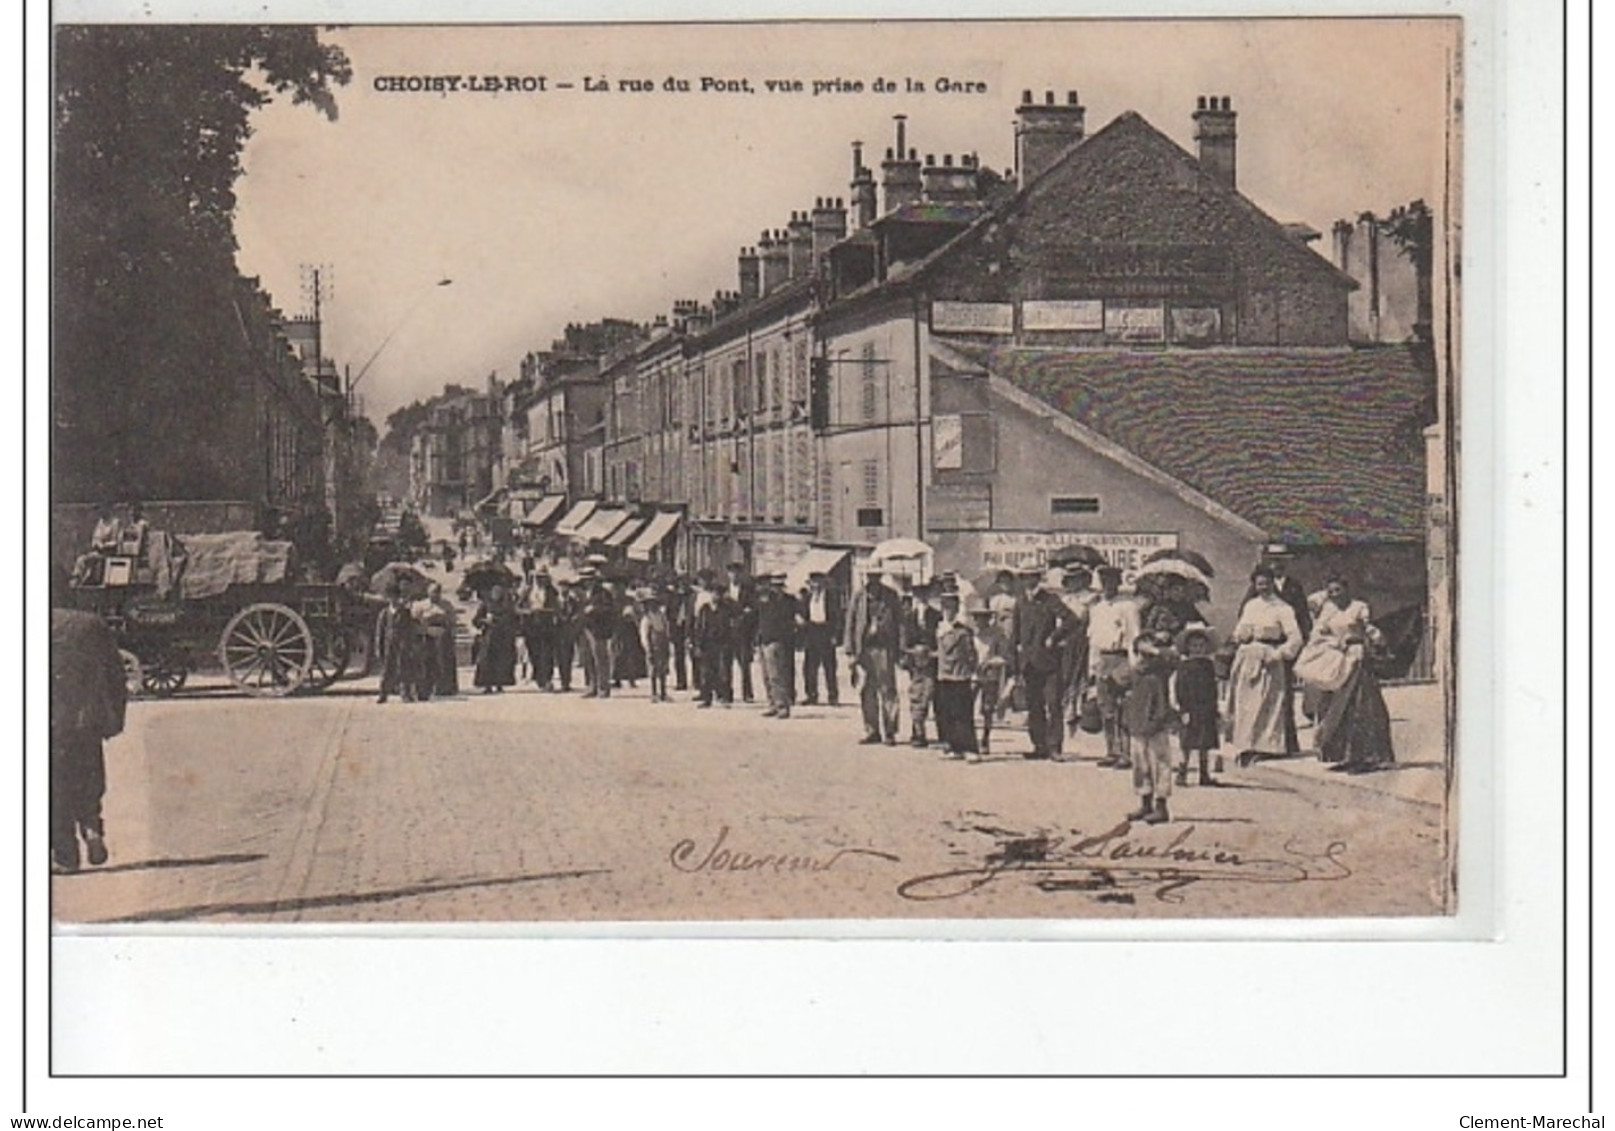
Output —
(1155, 579)
(484, 576)
(1076, 554)
(1199, 561)
(400, 576)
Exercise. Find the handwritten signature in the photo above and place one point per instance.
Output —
(1111, 863)
(686, 856)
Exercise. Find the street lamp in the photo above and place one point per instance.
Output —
(365, 368)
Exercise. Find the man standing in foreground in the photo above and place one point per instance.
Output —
(821, 619)
(87, 701)
(1043, 625)
(871, 641)
(1113, 631)
(776, 634)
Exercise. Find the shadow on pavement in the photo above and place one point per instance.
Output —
(346, 899)
(167, 862)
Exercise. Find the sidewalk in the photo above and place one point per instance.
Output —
(1416, 733)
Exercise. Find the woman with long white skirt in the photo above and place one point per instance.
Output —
(1268, 639)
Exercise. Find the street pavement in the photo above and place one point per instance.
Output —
(534, 806)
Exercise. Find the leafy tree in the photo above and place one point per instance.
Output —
(148, 345)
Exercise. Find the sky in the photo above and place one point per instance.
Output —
(552, 206)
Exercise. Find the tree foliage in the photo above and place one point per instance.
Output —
(147, 342)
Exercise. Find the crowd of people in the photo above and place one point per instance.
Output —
(1144, 670)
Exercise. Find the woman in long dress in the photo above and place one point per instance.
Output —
(1267, 639)
(496, 653)
(1354, 727)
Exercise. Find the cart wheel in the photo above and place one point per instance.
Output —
(330, 661)
(133, 678)
(267, 650)
(166, 674)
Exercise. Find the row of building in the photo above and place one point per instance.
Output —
(1107, 344)
(285, 451)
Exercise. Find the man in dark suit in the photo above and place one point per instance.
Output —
(1043, 627)
(822, 617)
(871, 641)
(87, 697)
(742, 592)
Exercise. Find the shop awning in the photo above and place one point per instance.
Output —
(816, 560)
(601, 523)
(575, 518)
(653, 535)
(621, 535)
(541, 511)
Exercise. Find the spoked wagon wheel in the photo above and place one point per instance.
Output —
(166, 674)
(133, 678)
(267, 649)
(330, 660)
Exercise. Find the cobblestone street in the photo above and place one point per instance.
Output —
(534, 806)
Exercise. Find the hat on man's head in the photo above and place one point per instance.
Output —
(818, 575)
(1109, 571)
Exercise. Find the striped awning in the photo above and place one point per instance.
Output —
(817, 560)
(542, 510)
(654, 534)
(601, 523)
(621, 535)
(575, 518)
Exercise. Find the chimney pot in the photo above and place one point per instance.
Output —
(1200, 103)
(930, 158)
(1026, 97)
(913, 154)
(1071, 98)
(1048, 98)
(1227, 103)
(888, 153)
(947, 159)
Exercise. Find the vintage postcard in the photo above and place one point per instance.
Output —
(963, 471)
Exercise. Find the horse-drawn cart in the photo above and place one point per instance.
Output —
(230, 595)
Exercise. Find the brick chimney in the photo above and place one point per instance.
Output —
(1214, 134)
(751, 280)
(799, 249)
(830, 224)
(947, 183)
(900, 172)
(772, 249)
(863, 189)
(1043, 132)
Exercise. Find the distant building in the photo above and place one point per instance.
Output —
(452, 456)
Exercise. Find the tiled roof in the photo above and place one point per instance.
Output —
(1310, 445)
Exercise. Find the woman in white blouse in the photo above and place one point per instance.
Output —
(1354, 727)
(1268, 638)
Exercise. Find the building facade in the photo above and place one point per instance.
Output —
(452, 456)
(1108, 344)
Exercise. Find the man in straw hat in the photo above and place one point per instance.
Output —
(776, 636)
(1113, 631)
